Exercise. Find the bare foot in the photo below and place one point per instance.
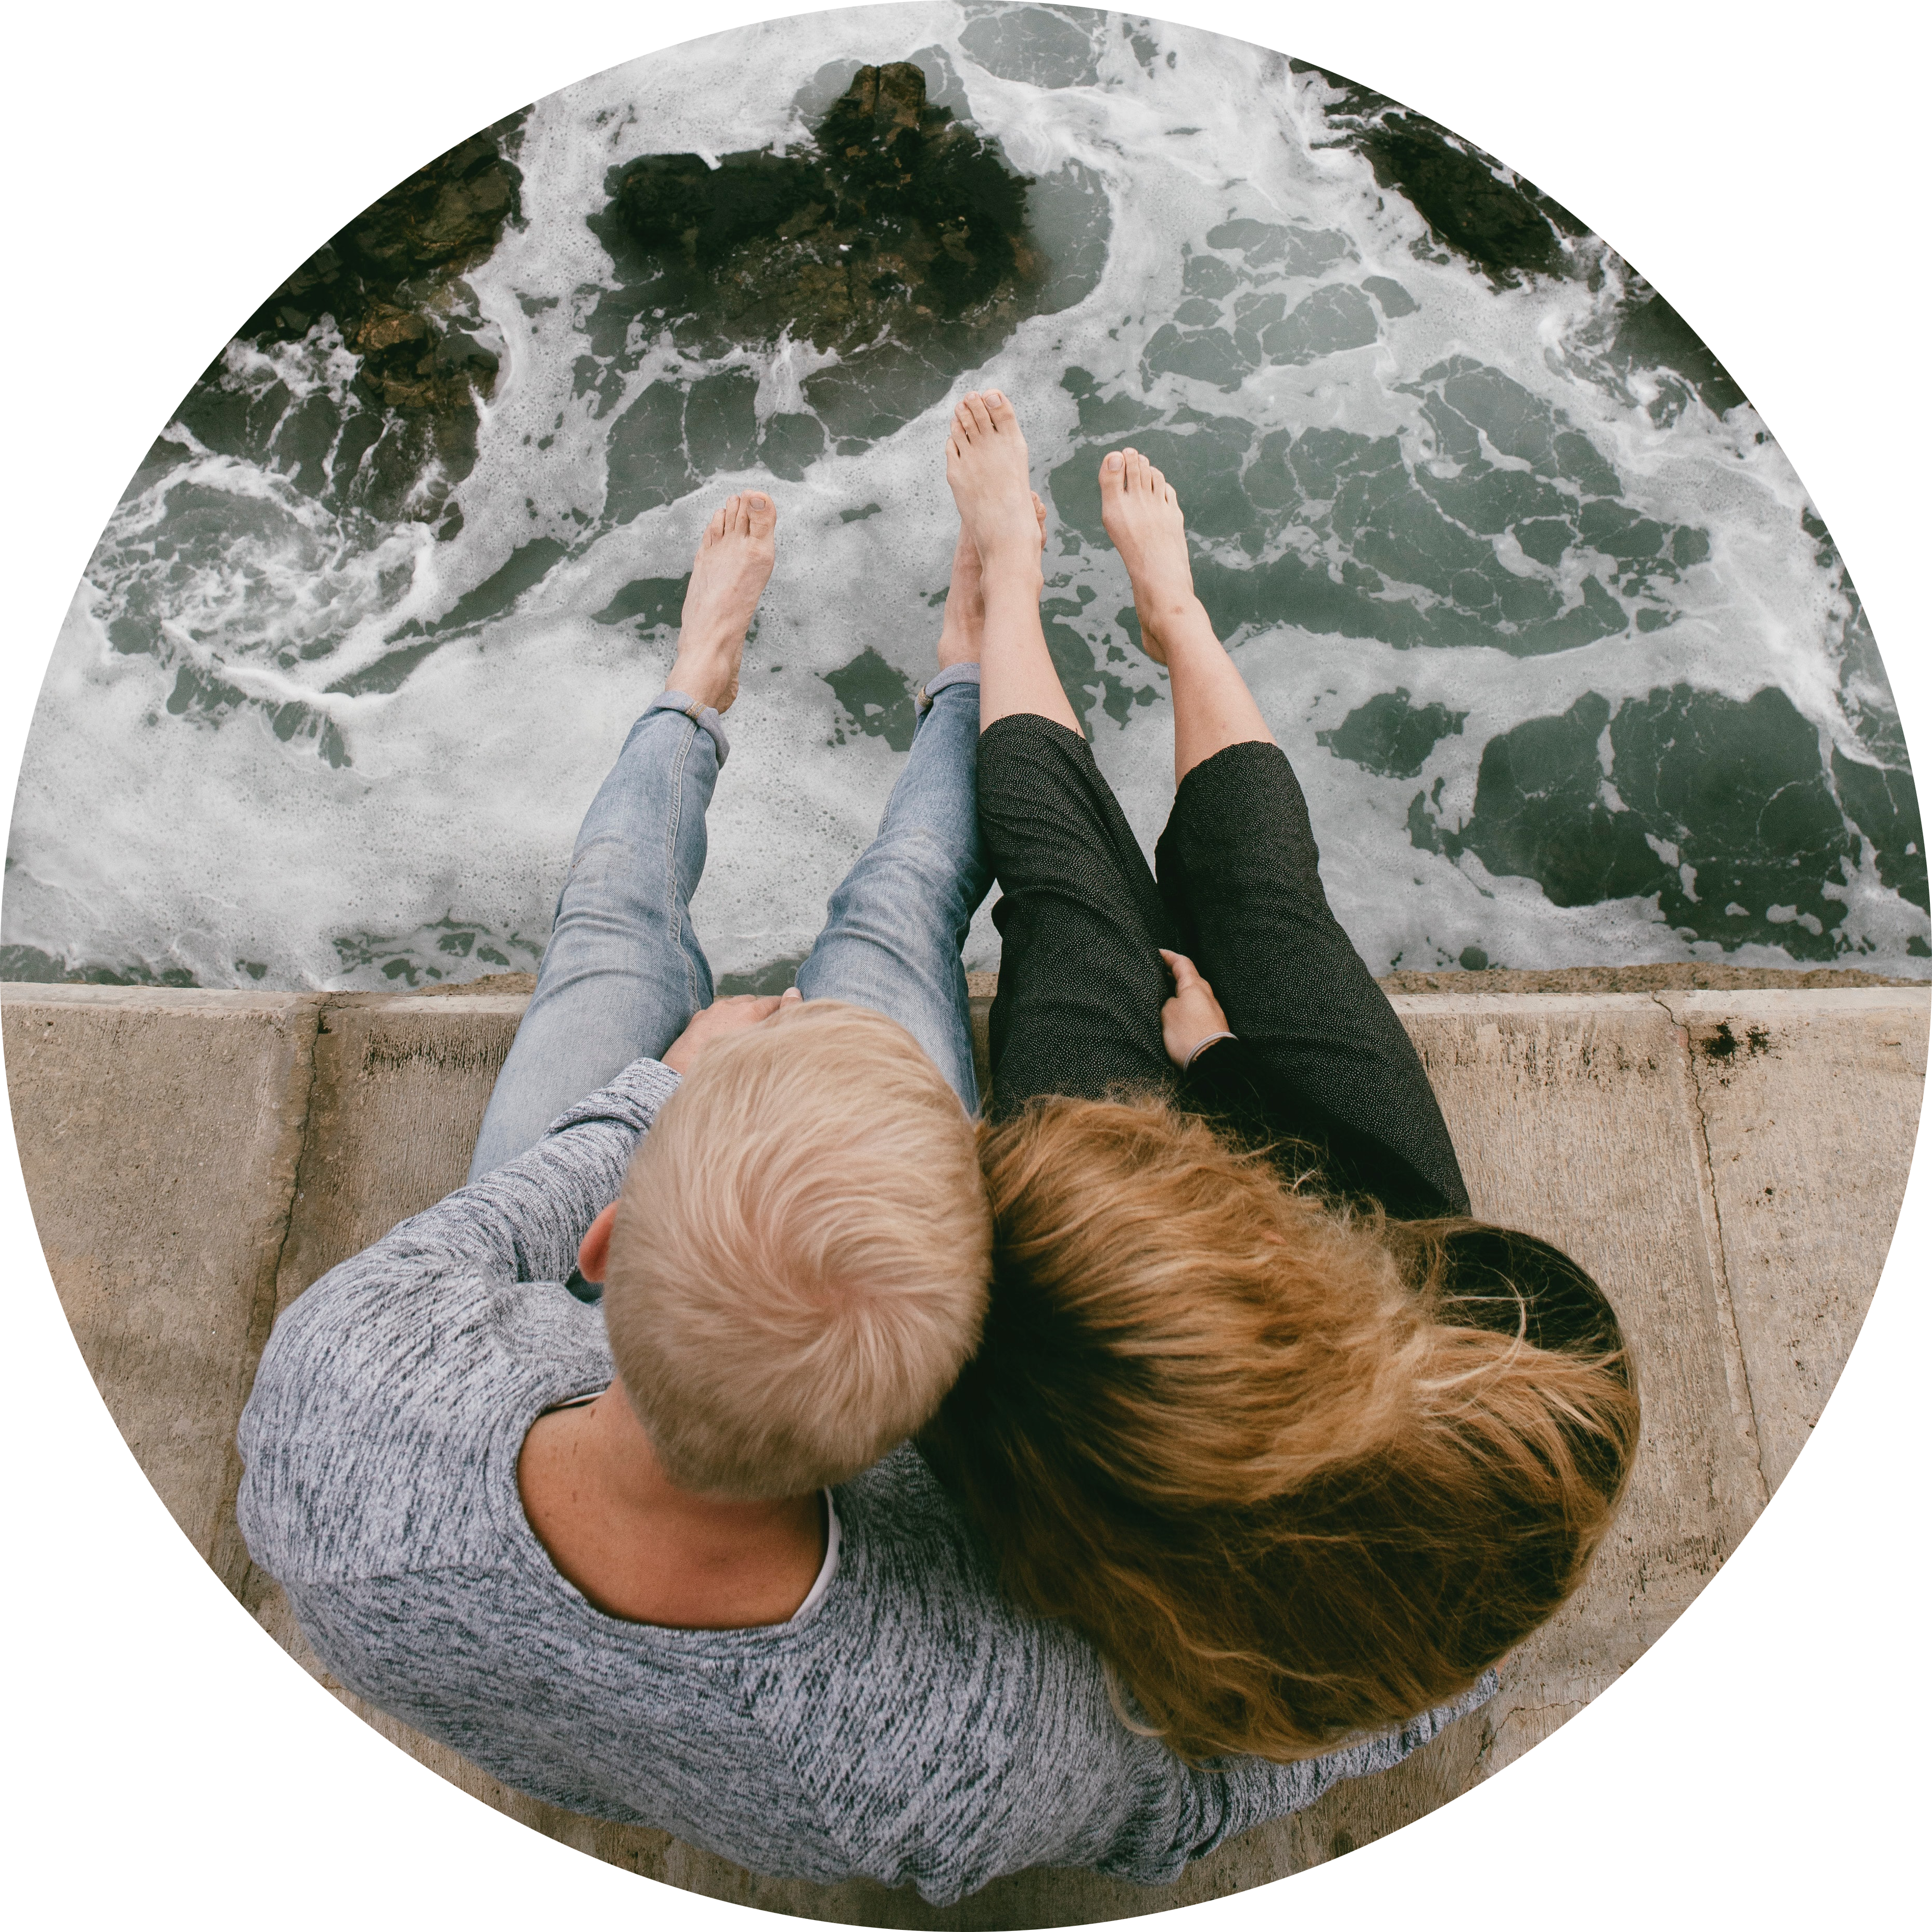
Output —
(1142, 515)
(734, 559)
(966, 597)
(986, 466)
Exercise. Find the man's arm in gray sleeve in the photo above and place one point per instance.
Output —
(525, 1218)
(1257, 1791)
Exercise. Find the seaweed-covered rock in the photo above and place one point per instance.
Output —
(445, 218)
(1474, 205)
(899, 220)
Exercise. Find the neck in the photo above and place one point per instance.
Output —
(631, 1481)
(641, 1547)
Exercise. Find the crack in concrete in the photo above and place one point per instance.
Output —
(1737, 1371)
(232, 1562)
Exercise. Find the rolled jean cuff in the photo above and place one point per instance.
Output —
(704, 716)
(957, 673)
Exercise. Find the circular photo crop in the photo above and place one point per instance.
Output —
(1609, 789)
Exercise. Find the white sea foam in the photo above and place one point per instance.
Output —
(224, 851)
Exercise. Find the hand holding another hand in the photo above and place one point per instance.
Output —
(1193, 1016)
(722, 1017)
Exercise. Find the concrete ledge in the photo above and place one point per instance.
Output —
(1729, 1161)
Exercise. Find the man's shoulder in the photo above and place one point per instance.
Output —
(382, 1412)
(947, 1717)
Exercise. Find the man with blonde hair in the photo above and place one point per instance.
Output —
(670, 1560)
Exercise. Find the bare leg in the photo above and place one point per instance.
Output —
(986, 466)
(1212, 706)
(960, 637)
(734, 558)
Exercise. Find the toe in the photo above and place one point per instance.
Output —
(761, 513)
(1113, 467)
(999, 411)
(977, 415)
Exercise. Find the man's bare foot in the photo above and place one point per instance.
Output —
(734, 560)
(966, 599)
(986, 466)
(1142, 515)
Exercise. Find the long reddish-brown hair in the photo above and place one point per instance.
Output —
(1296, 1472)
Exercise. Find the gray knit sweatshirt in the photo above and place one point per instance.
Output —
(911, 1726)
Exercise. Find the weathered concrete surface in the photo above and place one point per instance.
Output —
(1575, 1121)
(400, 1088)
(1619, 1126)
(158, 1132)
(1807, 1112)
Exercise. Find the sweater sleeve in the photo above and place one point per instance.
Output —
(1257, 1791)
(524, 1221)
(1323, 1056)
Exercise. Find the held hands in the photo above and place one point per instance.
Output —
(721, 1017)
(1193, 1017)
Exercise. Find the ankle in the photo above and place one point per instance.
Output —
(1016, 573)
(705, 675)
(1178, 620)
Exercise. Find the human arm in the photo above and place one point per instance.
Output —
(523, 1221)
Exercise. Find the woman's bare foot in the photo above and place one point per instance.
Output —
(1142, 515)
(986, 466)
(734, 560)
(960, 635)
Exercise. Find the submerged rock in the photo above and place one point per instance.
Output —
(1475, 206)
(864, 271)
(388, 287)
(1726, 811)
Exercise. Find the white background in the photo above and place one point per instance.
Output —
(169, 164)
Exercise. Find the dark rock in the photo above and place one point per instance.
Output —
(1390, 736)
(1485, 212)
(1723, 810)
(899, 220)
(445, 218)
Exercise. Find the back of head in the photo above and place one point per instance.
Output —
(1296, 1474)
(799, 1264)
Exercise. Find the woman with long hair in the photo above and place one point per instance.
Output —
(1301, 1447)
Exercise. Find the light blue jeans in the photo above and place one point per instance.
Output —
(624, 972)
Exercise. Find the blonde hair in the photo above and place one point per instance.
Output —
(1296, 1474)
(799, 1264)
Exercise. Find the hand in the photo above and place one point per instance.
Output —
(721, 1017)
(1193, 1015)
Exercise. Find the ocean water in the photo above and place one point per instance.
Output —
(1568, 664)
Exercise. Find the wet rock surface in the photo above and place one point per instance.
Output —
(1469, 539)
(896, 248)
(1726, 811)
(1483, 212)
(388, 285)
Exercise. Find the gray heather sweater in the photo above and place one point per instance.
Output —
(911, 1726)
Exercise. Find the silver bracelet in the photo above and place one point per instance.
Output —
(1201, 1046)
